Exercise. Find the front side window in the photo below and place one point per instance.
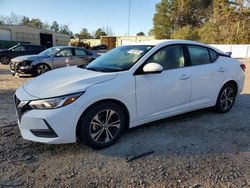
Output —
(79, 52)
(169, 57)
(199, 55)
(50, 51)
(119, 59)
(19, 49)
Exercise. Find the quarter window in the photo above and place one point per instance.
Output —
(79, 52)
(213, 55)
(199, 55)
(169, 57)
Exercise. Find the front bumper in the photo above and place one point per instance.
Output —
(55, 126)
(19, 68)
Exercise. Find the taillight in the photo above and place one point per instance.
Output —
(243, 66)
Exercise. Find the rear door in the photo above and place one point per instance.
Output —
(63, 58)
(31, 50)
(207, 75)
(80, 57)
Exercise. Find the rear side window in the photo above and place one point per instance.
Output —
(30, 48)
(79, 52)
(199, 55)
(213, 55)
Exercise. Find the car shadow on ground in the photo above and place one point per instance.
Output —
(197, 133)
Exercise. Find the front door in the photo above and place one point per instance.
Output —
(168, 91)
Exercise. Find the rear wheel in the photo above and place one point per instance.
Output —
(226, 98)
(102, 125)
(5, 60)
(41, 68)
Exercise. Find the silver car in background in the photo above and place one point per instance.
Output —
(52, 58)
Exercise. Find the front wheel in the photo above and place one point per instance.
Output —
(41, 69)
(5, 60)
(226, 98)
(102, 125)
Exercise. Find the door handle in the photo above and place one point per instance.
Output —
(221, 69)
(184, 77)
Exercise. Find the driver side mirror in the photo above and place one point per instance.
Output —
(229, 53)
(152, 68)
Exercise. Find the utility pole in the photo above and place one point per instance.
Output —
(129, 8)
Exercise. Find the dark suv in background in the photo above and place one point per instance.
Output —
(19, 50)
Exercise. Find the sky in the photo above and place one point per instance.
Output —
(90, 14)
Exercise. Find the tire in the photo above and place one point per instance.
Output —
(5, 60)
(41, 69)
(226, 98)
(102, 125)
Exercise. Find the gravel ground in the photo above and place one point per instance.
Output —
(198, 149)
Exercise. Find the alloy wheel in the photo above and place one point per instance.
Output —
(42, 69)
(5, 60)
(227, 98)
(105, 126)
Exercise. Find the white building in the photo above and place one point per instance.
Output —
(32, 35)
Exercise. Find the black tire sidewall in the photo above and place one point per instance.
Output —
(85, 121)
(5, 63)
(218, 105)
(35, 72)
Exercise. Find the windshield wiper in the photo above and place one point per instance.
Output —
(94, 69)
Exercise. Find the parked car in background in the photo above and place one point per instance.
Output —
(126, 87)
(52, 58)
(19, 50)
(100, 47)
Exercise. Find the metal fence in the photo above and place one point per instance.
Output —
(238, 50)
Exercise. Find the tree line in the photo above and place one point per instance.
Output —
(209, 21)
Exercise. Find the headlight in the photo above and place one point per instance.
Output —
(53, 103)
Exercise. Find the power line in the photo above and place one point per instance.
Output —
(129, 8)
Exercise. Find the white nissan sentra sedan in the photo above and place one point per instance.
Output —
(126, 87)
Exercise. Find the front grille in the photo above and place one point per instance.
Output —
(21, 107)
(17, 101)
(14, 66)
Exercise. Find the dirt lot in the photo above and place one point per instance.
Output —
(199, 149)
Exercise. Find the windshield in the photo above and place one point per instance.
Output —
(50, 51)
(119, 59)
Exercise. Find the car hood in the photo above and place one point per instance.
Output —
(3, 51)
(65, 81)
(28, 58)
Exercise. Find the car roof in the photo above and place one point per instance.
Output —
(68, 47)
(164, 42)
(30, 45)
